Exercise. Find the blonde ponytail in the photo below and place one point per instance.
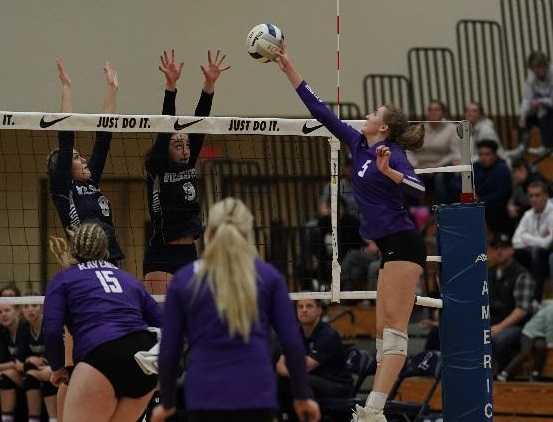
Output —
(228, 265)
(60, 250)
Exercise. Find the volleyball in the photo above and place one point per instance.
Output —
(263, 41)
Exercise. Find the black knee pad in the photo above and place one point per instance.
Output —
(30, 383)
(48, 389)
(6, 383)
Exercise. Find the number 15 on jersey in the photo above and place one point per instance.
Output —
(109, 282)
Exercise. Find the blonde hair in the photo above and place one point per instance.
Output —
(410, 137)
(88, 243)
(228, 265)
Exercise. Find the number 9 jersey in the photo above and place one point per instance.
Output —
(98, 302)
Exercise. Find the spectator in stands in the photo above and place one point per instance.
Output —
(534, 234)
(36, 371)
(360, 268)
(316, 263)
(345, 189)
(536, 109)
(537, 336)
(11, 327)
(492, 179)
(441, 148)
(483, 127)
(10, 290)
(519, 203)
(325, 356)
(511, 290)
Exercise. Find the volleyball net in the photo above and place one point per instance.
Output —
(289, 172)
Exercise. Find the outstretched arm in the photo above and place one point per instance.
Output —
(211, 71)
(110, 100)
(318, 108)
(172, 72)
(158, 157)
(66, 98)
(100, 151)
(60, 166)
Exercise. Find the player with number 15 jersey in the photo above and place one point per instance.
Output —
(98, 302)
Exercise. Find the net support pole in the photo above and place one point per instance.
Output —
(334, 178)
(465, 334)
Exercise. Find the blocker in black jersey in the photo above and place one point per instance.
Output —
(173, 186)
(173, 194)
(79, 202)
(172, 179)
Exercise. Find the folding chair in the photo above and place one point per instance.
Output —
(361, 365)
(425, 364)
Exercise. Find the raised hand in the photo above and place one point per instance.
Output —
(213, 69)
(62, 73)
(285, 63)
(111, 76)
(383, 154)
(170, 69)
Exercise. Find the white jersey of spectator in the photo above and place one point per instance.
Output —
(485, 129)
(536, 89)
(441, 146)
(535, 229)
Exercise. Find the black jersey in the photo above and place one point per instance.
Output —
(78, 202)
(173, 187)
(29, 343)
(9, 346)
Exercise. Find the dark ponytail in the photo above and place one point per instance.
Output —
(410, 137)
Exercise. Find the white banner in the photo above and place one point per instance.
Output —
(169, 124)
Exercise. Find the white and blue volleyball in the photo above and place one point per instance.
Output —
(263, 41)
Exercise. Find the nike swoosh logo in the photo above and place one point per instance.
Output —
(44, 124)
(179, 126)
(306, 129)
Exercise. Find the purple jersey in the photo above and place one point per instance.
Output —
(380, 199)
(224, 372)
(98, 302)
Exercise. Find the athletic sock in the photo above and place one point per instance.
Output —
(34, 418)
(377, 400)
(52, 419)
(8, 417)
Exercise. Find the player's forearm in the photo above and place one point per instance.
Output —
(110, 100)
(66, 99)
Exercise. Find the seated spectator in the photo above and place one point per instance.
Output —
(523, 175)
(11, 327)
(36, 378)
(345, 190)
(483, 127)
(536, 109)
(10, 290)
(316, 242)
(360, 268)
(511, 290)
(492, 179)
(537, 335)
(325, 356)
(534, 234)
(441, 148)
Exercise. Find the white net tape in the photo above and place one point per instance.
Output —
(365, 295)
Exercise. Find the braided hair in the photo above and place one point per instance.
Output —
(89, 242)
